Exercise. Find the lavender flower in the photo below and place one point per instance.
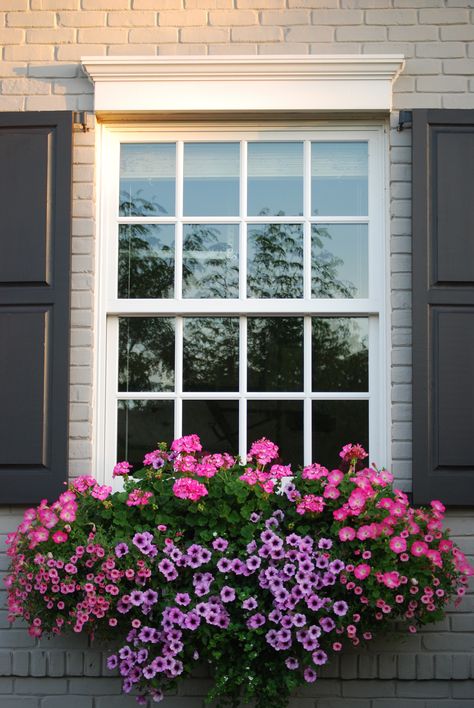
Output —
(121, 549)
(340, 608)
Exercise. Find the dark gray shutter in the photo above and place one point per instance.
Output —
(443, 306)
(35, 236)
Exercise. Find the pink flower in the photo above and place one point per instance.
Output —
(59, 537)
(418, 548)
(350, 452)
(398, 544)
(187, 488)
(138, 498)
(362, 571)
(185, 463)
(311, 503)
(263, 450)
(68, 512)
(347, 533)
(438, 507)
(101, 492)
(121, 469)
(314, 471)
(331, 492)
(357, 499)
(335, 477)
(391, 579)
(83, 483)
(279, 471)
(47, 517)
(188, 443)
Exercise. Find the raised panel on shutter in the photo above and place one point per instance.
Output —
(35, 236)
(443, 306)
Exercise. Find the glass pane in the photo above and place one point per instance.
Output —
(275, 260)
(211, 179)
(211, 354)
(339, 184)
(340, 354)
(216, 423)
(340, 260)
(141, 426)
(275, 353)
(336, 423)
(147, 179)
(146, 261)
(146, 354)
(211, 260)
(275, 179)
(281, 422)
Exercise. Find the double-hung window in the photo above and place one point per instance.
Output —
(242, 288)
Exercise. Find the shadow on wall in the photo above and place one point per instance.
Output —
(52, 87)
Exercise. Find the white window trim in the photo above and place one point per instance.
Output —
(338, 82)
(143, 87)
(109, 305)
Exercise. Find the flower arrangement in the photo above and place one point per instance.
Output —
(261, 571)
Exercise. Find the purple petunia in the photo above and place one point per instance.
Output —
(255, 621)
(340, 608)
(319, 657)
(325, 544)
(292, 663)
(327, 624)
(121, 549)
(310, 675)
(227, 594)
(220, 544)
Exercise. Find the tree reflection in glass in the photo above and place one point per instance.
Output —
(146, 353)
(211, 261)
(339, 260)
(146, 261)
(340, 353)
(275, 353)
(141, 425)
(211, 354)
(275, 261)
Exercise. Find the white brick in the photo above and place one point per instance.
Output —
(204, 34)
(81, 19)
(105, 4)
(336, 18)
(29, 52)
(391, 17)
(131, 19)
(61, 35)
(458, 66)
(30, 19)
(361, 34)
(259, 34)
(310, 34)
(441, 50)
(24, 87)
(458, 33)
(55, 4)
(227, 18)
(413, 34)
(177, 18)
(50, 103)
(157, 35)
(443, 17)
(105, 35)
(441, 84)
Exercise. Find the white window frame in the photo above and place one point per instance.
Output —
(109, 308)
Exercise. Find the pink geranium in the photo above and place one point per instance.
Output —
(121, 469)
(347, 533)
(352, 452)
(188, 443)
(314, 471)
(101, 491)
(138, 498)
(83, 483)
(263, 450)
(187, 488)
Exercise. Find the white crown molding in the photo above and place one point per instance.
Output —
(242, 83)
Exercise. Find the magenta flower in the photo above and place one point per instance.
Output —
(121, 469)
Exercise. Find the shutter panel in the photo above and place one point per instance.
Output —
(35, 235)
(443, 306)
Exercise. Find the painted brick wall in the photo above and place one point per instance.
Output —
(42, 42)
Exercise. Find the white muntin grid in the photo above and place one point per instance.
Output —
(111, 308)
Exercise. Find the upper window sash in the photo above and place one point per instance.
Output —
(112, 139)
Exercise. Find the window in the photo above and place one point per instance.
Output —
(242, 288)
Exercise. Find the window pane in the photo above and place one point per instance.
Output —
(281, 422)
(275, 353)
(146, 261)
(147, 179)
(211, 260)
(275, 261)
(340, 354)
(141, 426)
(340, 260)
(339, 184)
(336, 423)
(211, 354)
(146, 353)
(216, 423)
(275, 179)
(211, 179)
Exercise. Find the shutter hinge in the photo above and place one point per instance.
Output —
(81, 120)
(404, 120)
